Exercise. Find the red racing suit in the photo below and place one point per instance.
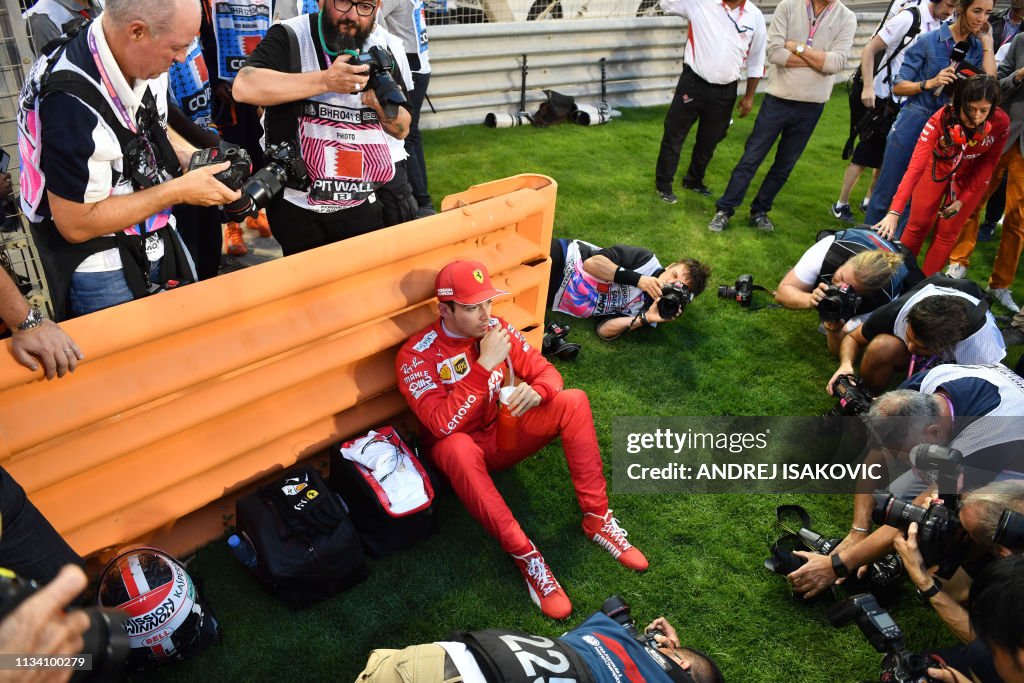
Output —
(456, 399)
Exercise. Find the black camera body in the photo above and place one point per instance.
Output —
(840, 303)
(742, 291)
(674, 297)
(854, 399)
(899, 665)
(284, 168)
(1010, 531)
(381, 81)
(236, 173)
(106, 639)
(554, 343)
(617, 608)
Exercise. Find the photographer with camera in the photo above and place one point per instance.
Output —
(624, 287)
(606, 648)
(940, 320)
(104, 167)
(329, 87)
(848, 264)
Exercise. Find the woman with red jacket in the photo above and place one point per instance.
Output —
(951, 166)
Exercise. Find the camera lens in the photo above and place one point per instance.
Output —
(265, 184)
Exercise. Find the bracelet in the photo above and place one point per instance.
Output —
(860, 529)
(922, 84)
(643, 319)
(894, 213)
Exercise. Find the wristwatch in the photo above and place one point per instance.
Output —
(34, 319)
(929, 593)
(800, 49)
(839, 568)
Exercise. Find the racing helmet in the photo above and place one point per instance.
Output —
(167, 620)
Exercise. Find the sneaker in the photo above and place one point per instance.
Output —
(762, 222)
(544, 589)
(720, 222)
(234, 241)
(1013, 337)
(864, 204)
(1005, 297)
(985, 232)
(668, 197)
(606, 532)
(259, 223)
(843, 213)
(700, 188)
(956, 270)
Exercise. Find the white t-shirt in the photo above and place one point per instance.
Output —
(892, 33)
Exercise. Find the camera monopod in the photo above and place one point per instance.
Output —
(589, 115)
(494, 120)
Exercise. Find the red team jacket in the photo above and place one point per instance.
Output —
(450, 392)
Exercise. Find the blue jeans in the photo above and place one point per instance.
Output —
(899, 147)
(790, 121)
(95, 291)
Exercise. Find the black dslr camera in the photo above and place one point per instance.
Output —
(381, 81)
(742, 292)
(674, 297)
(554, 343)
(899, 665)
(1010, 531)
(840, 303)
(284, 167)
(106, 640)
(853, 398)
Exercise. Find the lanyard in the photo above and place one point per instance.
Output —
(739, 29)
(928, 362)
(118, 105)
(1009, 32)
(813, 21)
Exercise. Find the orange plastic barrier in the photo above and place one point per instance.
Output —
(187, 399)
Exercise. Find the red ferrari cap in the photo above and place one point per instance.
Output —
(465, 282)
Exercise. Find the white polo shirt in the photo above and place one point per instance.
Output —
(722, 45)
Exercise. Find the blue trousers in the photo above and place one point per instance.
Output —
(95, 291)
(791, 123)
(899, 147)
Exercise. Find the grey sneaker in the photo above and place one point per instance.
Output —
(720, 222)
(762, 222)
(1005, 297)
(843, 213)
(1013, 337)
(956, 270)
(668, 197)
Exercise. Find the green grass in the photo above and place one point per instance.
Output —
(706, 551)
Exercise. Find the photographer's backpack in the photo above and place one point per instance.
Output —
(865, 122)
(387, 489)
(306, 546)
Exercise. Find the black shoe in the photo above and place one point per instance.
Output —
(986, 231)
(762, 222)
(668, 197)
(699, 188)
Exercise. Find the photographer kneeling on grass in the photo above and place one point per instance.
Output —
(606, 648)
(940, 320)
(942, 406)
(843, 266)
(621, 286)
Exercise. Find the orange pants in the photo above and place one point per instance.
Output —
(1005, 266)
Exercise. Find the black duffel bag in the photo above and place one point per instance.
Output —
(306, 546)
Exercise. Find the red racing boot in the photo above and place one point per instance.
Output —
(545, 591)
(606, 532)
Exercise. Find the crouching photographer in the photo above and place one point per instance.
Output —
(846, 275)
(606, 648)
(624, 287)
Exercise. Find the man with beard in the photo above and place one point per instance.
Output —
(317, 102)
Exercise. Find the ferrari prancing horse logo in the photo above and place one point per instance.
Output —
(478, 276)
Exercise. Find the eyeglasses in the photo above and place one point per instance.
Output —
(363, 9)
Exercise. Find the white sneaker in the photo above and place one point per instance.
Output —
(1005, 297)
(956, 270)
